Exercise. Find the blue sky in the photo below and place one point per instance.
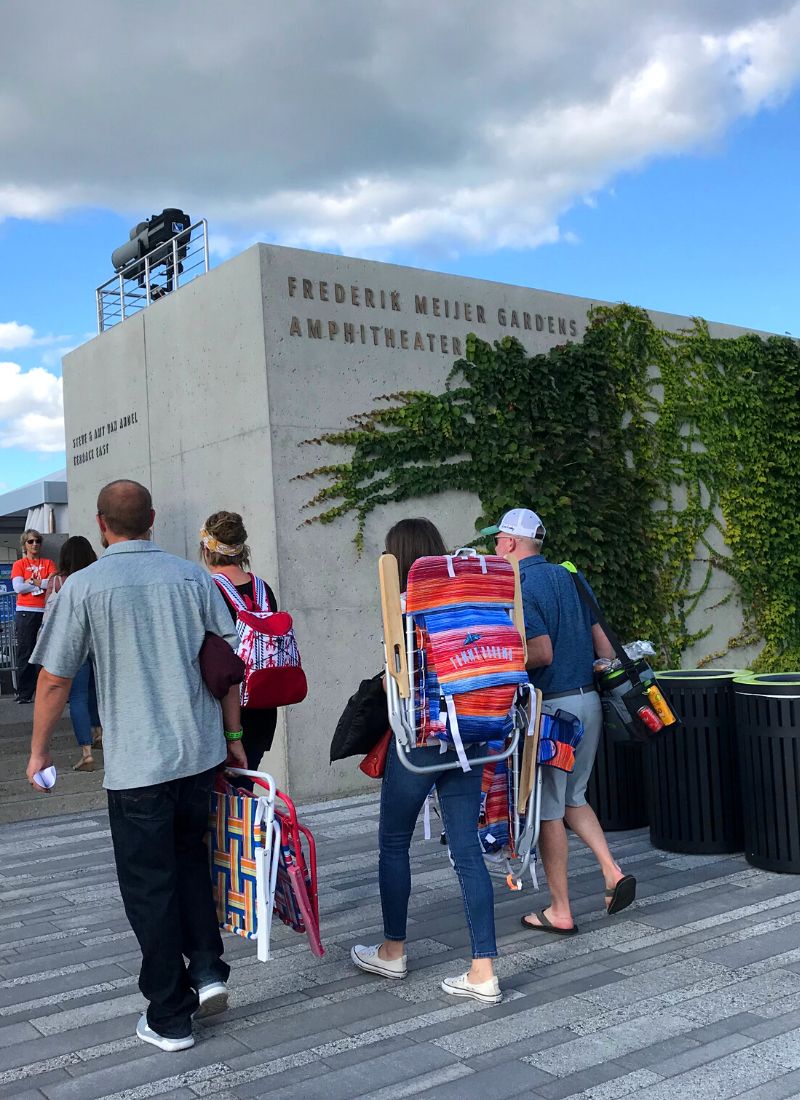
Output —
(651, 159)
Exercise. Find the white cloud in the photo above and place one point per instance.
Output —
(13, 335)
(17, 337)
(31, 409)
(370, 125)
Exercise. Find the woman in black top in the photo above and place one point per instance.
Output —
(223, 545)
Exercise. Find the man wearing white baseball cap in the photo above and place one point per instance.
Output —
(562, 639)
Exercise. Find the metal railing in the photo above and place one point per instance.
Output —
(8, 638)
(152, 276)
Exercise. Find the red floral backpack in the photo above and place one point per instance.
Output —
(274, 676)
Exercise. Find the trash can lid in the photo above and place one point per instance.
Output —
(777, 684)
(699, 673)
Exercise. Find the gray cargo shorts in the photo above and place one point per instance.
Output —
(560, 789)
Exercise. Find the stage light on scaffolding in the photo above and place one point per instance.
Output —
(162, 240)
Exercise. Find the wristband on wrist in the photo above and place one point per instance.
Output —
(233, 735)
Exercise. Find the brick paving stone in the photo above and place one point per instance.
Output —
(70, 955)
(291, 1084)
(585, 1081)
(786, 1087)
(283, 1047)
(375, 1050)
(726, 1077)
(91, 1015)
(54, 1046)
(645, 1056)
(415, 1060)
(742, 1022)
(29, 1094)
(611, 1043)
(497, 1083)
(461, 1022)
(179, 1094)
(709, 1051)
(626, 1084)
(776, 1025)
(13, 1034)
(501, 1055)
(141, 1073)
(226, 1095)
(756, 948)
(16, 931)
(504, 1030)
(593, 978)
(12, 1090)
(629, 990)
(55, 984)
(429, 1084)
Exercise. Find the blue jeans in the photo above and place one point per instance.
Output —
(402, 797)
(83, 704)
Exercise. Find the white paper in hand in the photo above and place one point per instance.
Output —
(46, 777)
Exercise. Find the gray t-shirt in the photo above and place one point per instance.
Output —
(142, 614)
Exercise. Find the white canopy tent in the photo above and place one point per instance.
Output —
(41, 504)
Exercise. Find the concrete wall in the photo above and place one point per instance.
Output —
(176, 397)
(222, 383)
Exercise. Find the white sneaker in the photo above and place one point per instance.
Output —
(213, 997)
(367, 958)
(487, 992)
(147, 1035)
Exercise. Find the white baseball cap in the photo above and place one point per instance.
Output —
(520, 522)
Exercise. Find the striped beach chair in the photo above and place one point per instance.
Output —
(244, 853)
(263, 861)
(455, 656)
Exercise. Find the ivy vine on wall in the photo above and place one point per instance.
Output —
(653, 457)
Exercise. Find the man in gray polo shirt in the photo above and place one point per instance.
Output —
(142, 615)
(562, 639)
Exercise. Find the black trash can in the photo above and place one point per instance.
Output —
(616, 788)
(768, 733)
(693, 791)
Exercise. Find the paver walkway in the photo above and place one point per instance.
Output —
(74, 791)
(694, 992)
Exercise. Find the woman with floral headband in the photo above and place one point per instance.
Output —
(224, 549)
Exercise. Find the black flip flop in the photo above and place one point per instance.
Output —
(546, 926)
(622, 895)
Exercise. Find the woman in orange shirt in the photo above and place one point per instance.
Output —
(29, 578)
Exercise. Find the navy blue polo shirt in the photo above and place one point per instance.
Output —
(551, 605)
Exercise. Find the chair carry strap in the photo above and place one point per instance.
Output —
(608, 630)
(458, 744)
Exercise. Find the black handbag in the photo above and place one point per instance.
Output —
(647, 714)
(364, 720)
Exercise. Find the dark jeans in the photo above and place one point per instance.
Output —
(162, 866)
(402, 796)
(27, 624)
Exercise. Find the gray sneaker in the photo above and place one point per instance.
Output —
(147, 1035)
(213, 997)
